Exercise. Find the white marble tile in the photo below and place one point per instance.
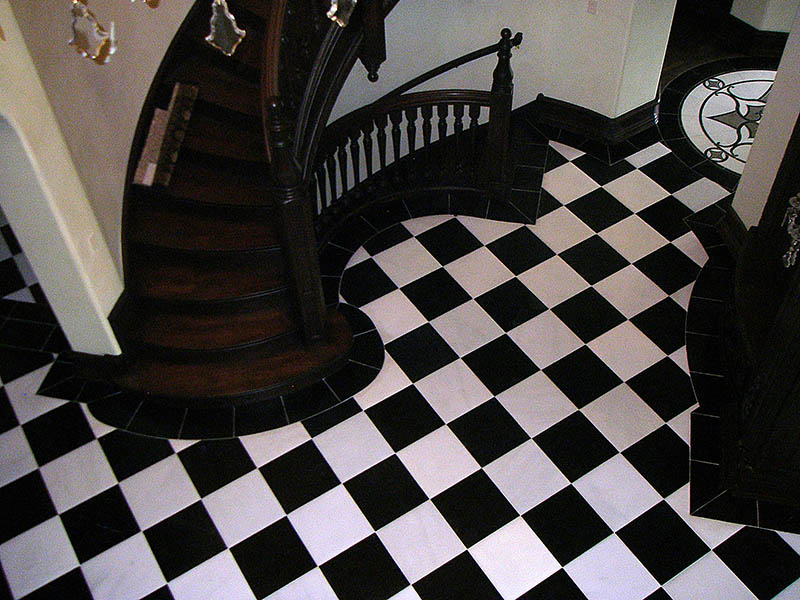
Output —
(466, 327)
(16, 457)
(553, 281)
(329, 524)
(633, 238)
(683, 296)
(438, 461)
(648, 155)
(25, 269)
(419, 225)
(567, 152)
(127, 571)
(27, 404)
(514, 559)
(681, 424)
(358, 256)
(453, 390)
(536, 403)
(420, 541)
(218, 578)
(353, 446)
(691, 247)
(622, 417)
(711, 531)
(630, 291)
(561, 229)
(267, 446)
(636, 190)
(526, 476)
(393, 315)
(545, 339)
(311, 586)
(710, 575)
(390, 380)
(479, 271)
(487, 230)
(626, 350)
(77, 476)
(567, 183)
(701, 193)
(406, 262)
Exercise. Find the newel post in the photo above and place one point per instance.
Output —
(296, 223)
(498, 175)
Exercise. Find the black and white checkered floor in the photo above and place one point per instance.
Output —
(517, 443)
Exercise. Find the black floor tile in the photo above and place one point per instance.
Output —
(364, 571)
(557, 586)
(161, 593)
(706, 440)
(156, 419)
(10, 278)
(358, 320)
(386, 214)
(272, 558)
(128, 453)
(664, 323)
(333, 259)
(761, 559)
(259, 416)
(601, 171)
(71, 585)
(99, 523)
(421, 352)
(662, 542)
(781, 517)
(670, 172)
(352, 233)
(575, 446)
(387, 238)
(727, 507)
(662, 458)
(525, 201)
(354, 376)
(594, 259)
(667, 217)
(527, 177)
(365, 282)
(298, 476)
(474, 508)
(16, 362)
(404, 417)
(8, 419)
(117, 410)
(25, 334)
(10, 239)
(582, 376)
(459, 578)
(567, 525)
(488, 431)
(665, 387)
(212, 464)
(500, 364)
(588, 314)
(184, 540)
(449, 241)
(520, 250)
(554, 159)
(669, 268)
(547, 203)
(27, 504)
(57, 432)
(331, 417)
(309, 401)
(385, 492)
(511, 304)
(208, 423)
(599, 209)
(705, 354)
(532, 155)
(435, 293)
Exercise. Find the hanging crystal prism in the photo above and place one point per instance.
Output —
(225, 36)
(150, 3)
(341, 10)
(89, 38)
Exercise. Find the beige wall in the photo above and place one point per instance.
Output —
(780, 115)
(608, 62)
(97, 107)
(766, 15)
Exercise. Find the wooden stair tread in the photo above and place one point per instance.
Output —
(220, 86)
(187, 279)
(211, 136)
(241, 373)
(171, 226)
(212, 183)
(206, 331)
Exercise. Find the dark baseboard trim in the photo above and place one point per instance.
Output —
(739, 34)
(732, 230)
(94, 367)
(593, 125)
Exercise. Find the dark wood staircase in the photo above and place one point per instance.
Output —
(208, 318)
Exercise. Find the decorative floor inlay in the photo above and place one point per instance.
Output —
(720, 115)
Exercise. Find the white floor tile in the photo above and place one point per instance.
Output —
(422, 224)
(453, 390)
(648, 155)
(712, 576)
(683, 295)
(622, 417)
(330, 524)
(790, 593)
(626, 350)
(218, 578)
(359, 255)
(98, 428)
(479, 271)
(36, 557)
(23, 295)
(16, 458)
(711, 531)
(390, 380)
(27, 404)
(526, 476)
(701, 193)
(536, 403)
(420, 541)
(77, 476)
(691, 247)
(681, 424)
(407, 594)
(567, 183)
(243, 507)
(353, 446)
(567, 152)
(127, 571)
(437, 461)
(311, 586)
(487, 230)
(633, 238)
(561, 229)
(393, 315)
(144, 491)
(553, 281)
(636, 190)
(25, 269)
(545, 339)
(680, 358)
(466, 328)
(630, 291)
(406, 262)
(617, 492)
(609, 571)
(267, 446)
(514, 559)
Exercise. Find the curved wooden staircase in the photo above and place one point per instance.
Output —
(208, 317)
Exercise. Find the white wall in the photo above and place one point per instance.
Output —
(766, 15)
(44, 200)
(608, 62)
(774, 130)
(97, 107)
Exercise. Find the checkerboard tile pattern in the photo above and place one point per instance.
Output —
(525, 439)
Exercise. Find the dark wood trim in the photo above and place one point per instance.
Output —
(593, 125)
(732, 230)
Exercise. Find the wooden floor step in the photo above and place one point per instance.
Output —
(215, 137)
(188, 279)
(164, 330)
(242, 374)
(208, 180)
(219, 86)
(199, 229)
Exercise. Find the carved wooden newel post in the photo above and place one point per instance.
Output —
(297, 227)
(498, 173)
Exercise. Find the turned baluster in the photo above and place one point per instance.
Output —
(442, 110)
(427, 129)
(366, 130)
(396, 117)
(341, 156)
(458, 128)
(322, 194)
(472, 156)
(381, 121)
(331, 168)
(355, 156)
